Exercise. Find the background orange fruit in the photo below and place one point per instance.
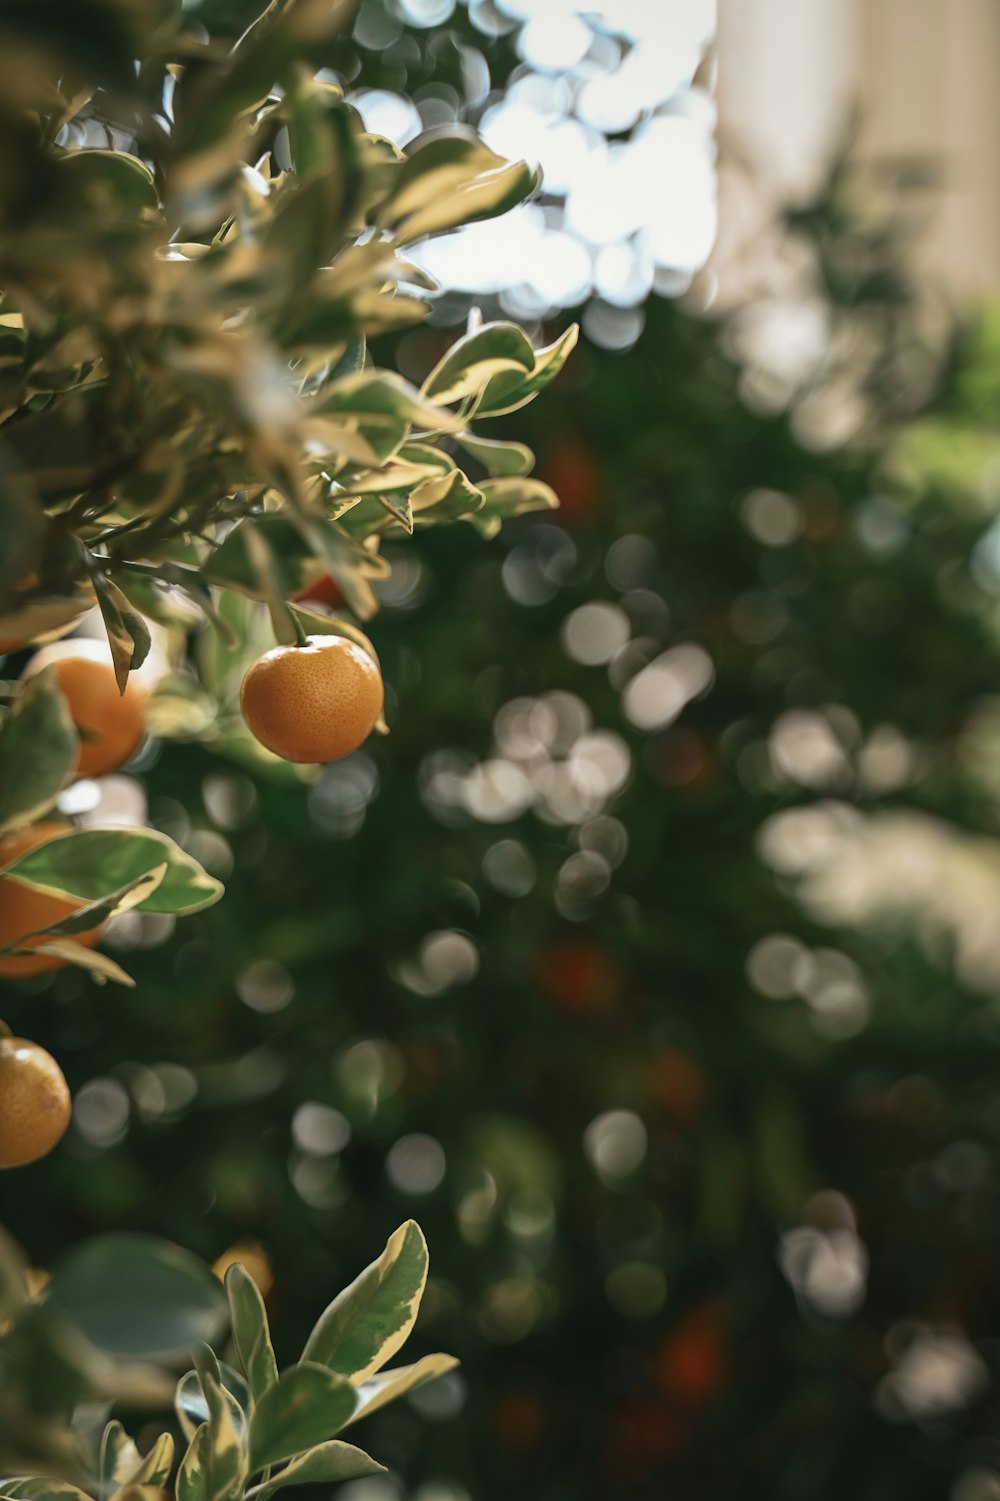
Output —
(312, 703)
(110, 724)
(24, 910)
(35, 1104)
(322, 591)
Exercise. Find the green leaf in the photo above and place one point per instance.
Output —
(155, 1469)
(490, 195)
(445, 499)
(509, 390)
(191, 1405)
(450, 179)
(306, 1406)
(491, 349)
(58, 447)
(498, 457)
(368, 1322)
(192, 1477)
(397, 505)
(503, 498)
(118, 1457)
(94, 863)
(325, 1465)
(251, 1336)
(234, 564)
(377, 408)
(41, 1488)
(350, 564)
(41, 615)
(225, 1456)
(388, 1385)
(107, 185)
(137, 1296)
(91, 914)
(128, 634)
(214, 110)
(38, 751)
(441, 163)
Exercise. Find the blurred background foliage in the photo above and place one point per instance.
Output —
(652, 962)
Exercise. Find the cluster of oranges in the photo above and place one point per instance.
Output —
(35, 1103)
(313, 702)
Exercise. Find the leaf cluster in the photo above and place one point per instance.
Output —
(198, 242)
(247, 1430)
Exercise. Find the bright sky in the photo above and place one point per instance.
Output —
(604, 102)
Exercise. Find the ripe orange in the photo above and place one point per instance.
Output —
(35, 1104)
(110, 724)
(24, 910)
(312, 703)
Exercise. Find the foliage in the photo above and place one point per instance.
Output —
(120, 1300)
(187, 408)
(652, 1321)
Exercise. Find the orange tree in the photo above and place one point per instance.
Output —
(630, 1324)
(197, 239)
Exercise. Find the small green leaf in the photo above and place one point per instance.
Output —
(234, 564)
(487, 197)
(192, 1477)
(94, 863)
(250, 1332)
(192, 1408)
(38, 751)
(118, 1458)
(498, 457)
(327, 1464)
(137, 1296)
(452, 178)
(388, 1385)
(40, 615)
(503, 498)
(382, 406)
(469, 365)
(446, 498)
(397, 505)
(225, 1456)
(128, 634)
(305, 1407)
(155, 1469)
(108, 185)
(368, 1322)
(509, 390)
(440, 163)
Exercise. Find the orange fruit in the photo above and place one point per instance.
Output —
(579, 976)
(25, 910)
(312, 703)
(110, 724)
(35, 1104)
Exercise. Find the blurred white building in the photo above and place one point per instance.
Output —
(924, 78)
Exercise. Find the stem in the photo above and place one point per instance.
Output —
(301, 639)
